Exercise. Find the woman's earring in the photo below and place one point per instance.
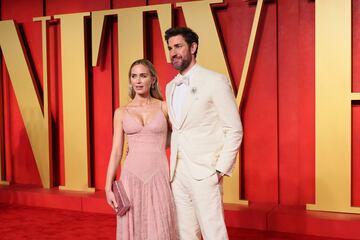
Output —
(153, 86)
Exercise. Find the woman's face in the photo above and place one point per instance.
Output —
(141, 80)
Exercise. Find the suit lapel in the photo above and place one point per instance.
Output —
(189, 100)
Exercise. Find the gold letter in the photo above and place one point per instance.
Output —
(74, 88)
(2, 159)
(36, 119)
(333, 106)
(197, 15)
(130, 37)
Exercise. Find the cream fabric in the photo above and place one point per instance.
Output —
(206, 136)
(209, 129)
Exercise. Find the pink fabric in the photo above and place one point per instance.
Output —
(146, 181)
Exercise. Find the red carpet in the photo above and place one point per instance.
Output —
(23, 222)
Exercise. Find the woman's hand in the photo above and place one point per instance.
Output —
(110, 198)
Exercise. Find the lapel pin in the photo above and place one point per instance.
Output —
(193, 90)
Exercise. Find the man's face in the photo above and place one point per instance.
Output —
(181, 54)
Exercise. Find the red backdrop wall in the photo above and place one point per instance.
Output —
(278, 113)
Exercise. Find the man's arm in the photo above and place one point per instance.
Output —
(224, 101)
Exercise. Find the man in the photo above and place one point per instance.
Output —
(206, 136)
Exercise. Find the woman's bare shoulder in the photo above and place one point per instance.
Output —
(119, 112)
(164, 108)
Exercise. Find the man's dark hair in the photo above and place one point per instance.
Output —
(188, 34)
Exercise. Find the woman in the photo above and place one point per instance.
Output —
(145, 171)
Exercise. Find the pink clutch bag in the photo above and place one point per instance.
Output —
(121, 198)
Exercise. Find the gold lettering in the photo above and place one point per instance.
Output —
(130, 37)
(249, 51)
(36, 119)
(2, 159)
(197, 15)
(333, 107)
(131, 46)
(75, 112)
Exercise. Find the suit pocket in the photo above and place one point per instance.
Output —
(213, 179)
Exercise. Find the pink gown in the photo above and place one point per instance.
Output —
(145, 175)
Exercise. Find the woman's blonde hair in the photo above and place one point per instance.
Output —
(154, 89)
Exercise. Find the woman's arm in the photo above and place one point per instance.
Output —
(115, 156)
(165, 111)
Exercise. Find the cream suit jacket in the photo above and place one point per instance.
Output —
(209, 131)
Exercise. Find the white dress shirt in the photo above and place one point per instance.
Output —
(180, 93)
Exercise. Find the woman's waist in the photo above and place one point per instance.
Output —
(146, 153)
(145, 161)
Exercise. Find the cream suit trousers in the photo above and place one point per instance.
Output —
(199, 205)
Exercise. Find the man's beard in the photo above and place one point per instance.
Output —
(184, 64)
